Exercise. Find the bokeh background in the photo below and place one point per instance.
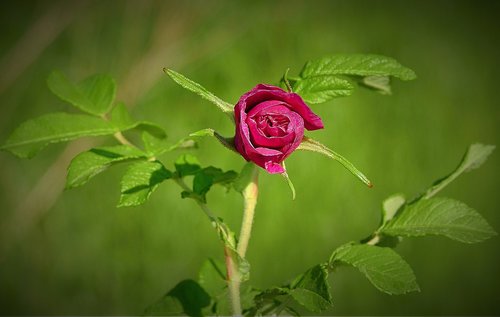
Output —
(73, 252)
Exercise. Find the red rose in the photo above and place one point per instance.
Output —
(270, 125)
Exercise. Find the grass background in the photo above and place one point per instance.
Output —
(73, 252)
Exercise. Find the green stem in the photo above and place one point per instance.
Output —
(233, 282)
(250, 194)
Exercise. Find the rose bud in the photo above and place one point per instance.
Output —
(270, 125)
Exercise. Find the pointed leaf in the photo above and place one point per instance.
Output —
(440, 216)
(475, 155)
(201, 91)
(205, 178)
(33, 135)
(94, 95)
(385, 269)
(315, 146)
(100, 91)
(140, 181)
(311, 289)
(357, 64)
(320, 89)
(90, 163)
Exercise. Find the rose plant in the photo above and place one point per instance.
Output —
(270, 123)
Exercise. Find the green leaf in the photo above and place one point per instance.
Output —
(122, 119)
(383, 267)
(315, 146)
(187, 164)
(475, 155)
(311, 289)
(90, 163)
(205, 178)
(226, 142)
(186, 298)
(94, 95)
(33, 135)
(319, 89)
(225, 107)
(391, 205)
(357, 64)
(439, 216)
(140, 181)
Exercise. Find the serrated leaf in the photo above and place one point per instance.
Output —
(391, 205)
(90, 163)
(383, 267)
(439, 216)
(33, 135)
(357, 64)
(320, 89)
(187, 164)
(188, 84)
(315, 146)
(208, 176)
(186, 298)
(226, 142)
(311, 289)
(475, 155)
(94, 95)
(122, 119)
(140, 181)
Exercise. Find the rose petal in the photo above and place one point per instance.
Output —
(259, 139)
(311, 120)
(274, 168)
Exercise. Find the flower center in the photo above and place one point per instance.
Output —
(273, 125)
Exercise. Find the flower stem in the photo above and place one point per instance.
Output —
(233, 282)
(250, 194)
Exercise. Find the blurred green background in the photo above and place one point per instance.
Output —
(73, 252)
